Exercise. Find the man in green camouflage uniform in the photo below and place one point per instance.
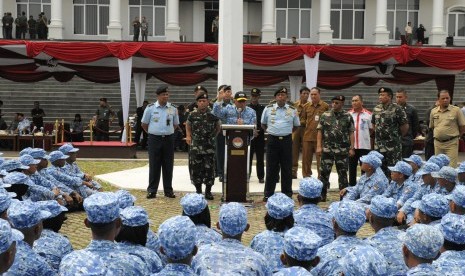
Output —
(390, 124)
(201, 129)
(335, 142)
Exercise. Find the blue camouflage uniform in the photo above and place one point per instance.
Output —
(401, 193)
(8, 235)
(310, 215)
(460, 170)
(453, 228)
(229, 256)
(229, 114)
(293, 271)
(458, 196)
(447, 173)
(433, 205)
(415, 177)
(24, 124)
(83, 263)
(364, 260)
(34, 192)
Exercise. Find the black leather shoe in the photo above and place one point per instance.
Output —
(261, 180)
(209, 196)
(265, 199)
(151, 195)
(170, 195)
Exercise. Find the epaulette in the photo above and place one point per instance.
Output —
(291, 107)
(270, 105)
(173, 105)
(150, 104)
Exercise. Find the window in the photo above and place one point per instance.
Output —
(399, 13)
(348, 19)
(91, 17)
(33, 7)
(293, 18)
(154, 12)
(456, 22)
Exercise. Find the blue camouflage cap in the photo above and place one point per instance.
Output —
(458, 195)
(52, 206)
(310, 187)
(39, 153)
(461, 168)
(2, 160)
(447, 173)
(364, 260)
(125, 199)
(25, 214)
(384, 207)
(193, 204)
(428, 168)
(56, 155)
(27, 160)
(377, 154)
(301, 243)
(8, 235)
(101, 207)
(13, 164)
(25, 151)
(82, 263)
(280, 206)
(177, 237)
(423, 240)
(233, 218)
(349, 215)
(3, 172)
(402, 167)
(414, 158)
(436, 160)
(433, 205)
(5, 200)
(17, 178)
(134, 216)
(445, 160)
(453, 228)
(371, 160)
(67, 148)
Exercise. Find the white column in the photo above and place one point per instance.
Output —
(1, 14)
(381, 33)
(230, 51)
(325, 34)
(115, 30)
(438, 35)
(268, 25)
(172, 26)
(295, 82)
(55, 29)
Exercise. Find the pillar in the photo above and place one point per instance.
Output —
(325, 34)
(438, 35)
(268, 23)
(172, 29)
(115, 30)
(55, 28)
(381, 34)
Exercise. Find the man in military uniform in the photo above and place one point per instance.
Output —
(390, 124)
(102, 116)
(226, 91)
(32, 26)
(37, 115)
(257, 145)
(140, 112)
(412, 118)
(201, 130)
(335, 143)
(298, 135)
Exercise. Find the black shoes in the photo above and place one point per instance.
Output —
(265, 199)
(151, 195)
(261, 180)
(209, 196)
(170, 195)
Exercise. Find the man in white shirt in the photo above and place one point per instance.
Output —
(408, 33)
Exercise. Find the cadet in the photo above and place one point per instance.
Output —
(309, 215)
(8, 241)
(82, 263)
(452, 257)
(421, 245)
(159, 121)
(279, 120)
(52, 245)
(26, 189)
(278, 220)
(229, 255)
(27, 216)
(430, 209)
(102, 117)
(201, 130)
(195, 207)
(335, 143)
(103, 219)
(364, 260)
(457, 200)
(177, 237)
(390, 124)
(461, 173)
(446, 177)
(416, 163)
(5, 201)
(298, 135)
(400, 188)
(257, 145)
(299, 254)
(381, 215)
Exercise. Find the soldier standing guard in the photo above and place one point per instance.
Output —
(201, 129)
(102, 116)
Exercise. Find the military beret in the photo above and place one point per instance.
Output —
(125, 199)
(161, 89)
(415, 159)
(310, 187)
(102, 207)
(57, 155)
(202, 96)
(233, 218)
(177, 237)
(67, 148)
(447, 173)
(279, 206)
(201, 88)
(27, 160)
(363, 260)
(339, 98)
(280, 90)
(371, 160)
(255, 92)
(52, 206)
(38, 153)
(458, 195)
(240, 96)
(382, 206)
(193, 204)
(134, 216)
(301, 243)
(349, 215)
(82, 263)
(423, 240)
(433, 205)
(103, 99)
(25, 214)
(8, 235)
(428, 168)
(385, 90)
(13, 164)
(461, 168)
(401, 167)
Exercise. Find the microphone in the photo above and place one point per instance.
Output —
(239, 112)
(42, 129)
(34, 130)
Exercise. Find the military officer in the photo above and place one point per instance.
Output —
(102, 117)
(257, 145)
(279, 120)
(159, 121)
(237, 114)
(201, 130)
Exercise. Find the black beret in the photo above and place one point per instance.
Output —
(386, 89)
(255, 92)
(339, 98)
(202, 96)
(280, 90)
(103, 99)
(161, 89)
(200, 87)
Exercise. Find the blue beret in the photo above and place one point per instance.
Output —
(134, 216)
(428, 168)
(433, 205)
(25, 151)
(447, 173)
(27, 160)
(423, 240)
(102, 207)
(17, 178)
(402, 167)
(377, 154)
(38, 153)
(125, 198)
(56, 155)
(67, 147)
(52, 206)
(364, 260)
(280, 206)
(310, 187)
(5, 200)
(301, 243)
(8, 235)
(82, 263)
(233, 218)
(371, 160)
(458, 195)
(11, 165)
(350, 216)
(453, 228)
(384, 207)
(461, 168)
(193, 204)
(177, 237)
(25, 214)
(415, 159)
(445, 160)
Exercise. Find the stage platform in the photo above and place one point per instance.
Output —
(100, 149)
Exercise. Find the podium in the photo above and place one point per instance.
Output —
(236, 162)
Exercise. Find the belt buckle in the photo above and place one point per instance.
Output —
(280, 138)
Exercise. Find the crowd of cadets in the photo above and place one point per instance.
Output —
(418, 219)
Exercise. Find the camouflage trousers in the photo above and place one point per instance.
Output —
(202, 168)
(342, 166)
(391, 157)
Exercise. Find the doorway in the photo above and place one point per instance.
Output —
(211, 11)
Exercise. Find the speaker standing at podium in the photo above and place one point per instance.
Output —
(279, 120)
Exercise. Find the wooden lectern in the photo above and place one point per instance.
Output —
(236, 162)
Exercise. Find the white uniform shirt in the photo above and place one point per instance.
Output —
(362, 121)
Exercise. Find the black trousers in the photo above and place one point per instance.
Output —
(220, 154)
(104, 125)
(257, 147)
(353, 163)
(278, 155)
(407, 151)
(140, 131)
(161, 159)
